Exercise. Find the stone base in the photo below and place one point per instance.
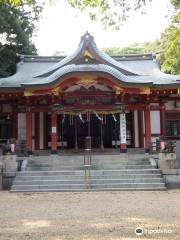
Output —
(167, 161)
(53, 152)
(1, 186)
(172, 178)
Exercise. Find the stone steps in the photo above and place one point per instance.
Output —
(59, 168)
(67, 173)
(93, 172)
(146, 188)
(79, 177)
(80, 161)
(34, 181)
(91, 180)
(87, 185)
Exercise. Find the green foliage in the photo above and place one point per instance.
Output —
(175, 3)
(7, 60)
(135, 48)
(111, 13)
(167, 48)
(171, 53)
(16, 29)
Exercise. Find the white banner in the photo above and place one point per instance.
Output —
(53, 129)
(123, 128)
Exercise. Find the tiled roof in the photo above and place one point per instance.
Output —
(128, 69)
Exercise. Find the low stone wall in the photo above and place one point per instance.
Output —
(167, 161)
(1, 183)
(172, 178)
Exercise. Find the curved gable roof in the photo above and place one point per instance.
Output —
(127, 69)
(100, 68)
(88, 47)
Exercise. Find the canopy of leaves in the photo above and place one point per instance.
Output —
(111, 13)
(167, 48)
(16, 29)
(171, 39)
(134, 48)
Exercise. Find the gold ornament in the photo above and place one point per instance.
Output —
(118, 90)
(145, 90)
(55, 91)
(87, 54)
(28, 93)
(87, 80)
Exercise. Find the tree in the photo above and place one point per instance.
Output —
(170, 58)
(16, 29)
(135, 48)
(110, 12)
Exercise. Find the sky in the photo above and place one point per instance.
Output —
(61, 27)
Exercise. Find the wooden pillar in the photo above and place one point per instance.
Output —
(115, 136)
(29, 131)
(133, 129)
(75, 134)
(15, 125)
(141, 128)
(147, 130)
(101, 126)
(53, 133)
(62, 132)
(41, 130)
(123, 145)
(162, 120)
(45, 130)
(37, 130)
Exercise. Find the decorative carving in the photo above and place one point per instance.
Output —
(145, 90)
(88, 101)
(55, 91)
(28, 93)
(86, 80)
(118, 90)
(87, 54)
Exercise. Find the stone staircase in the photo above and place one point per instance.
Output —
(108, 172)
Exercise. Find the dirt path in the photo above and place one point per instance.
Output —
(89, 216)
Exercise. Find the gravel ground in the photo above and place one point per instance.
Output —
(89, 216)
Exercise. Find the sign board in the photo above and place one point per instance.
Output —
(53, 129)
(123, 128)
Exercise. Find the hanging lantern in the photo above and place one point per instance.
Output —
(57, 107)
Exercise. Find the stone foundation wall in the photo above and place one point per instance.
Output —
(172, 178)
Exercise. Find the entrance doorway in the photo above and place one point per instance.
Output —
(106, 132)
(5, 128)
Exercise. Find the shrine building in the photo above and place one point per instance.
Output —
(120, 101)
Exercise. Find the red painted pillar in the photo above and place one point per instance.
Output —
(15, 125)
(45, 130)
(141, 128)
(133, 129)
(36, 130)
(53, 133)
(29, 131)
(147, 130)
(162, 120)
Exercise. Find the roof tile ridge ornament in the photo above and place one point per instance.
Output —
(87, 38)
